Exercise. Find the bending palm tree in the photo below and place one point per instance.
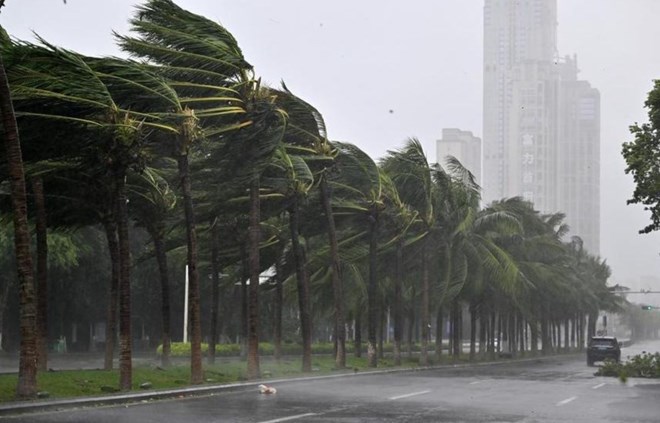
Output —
(27, 368)
(306, 130)
(57, 85)
(359, 192)
(202, 61)
(411, 173)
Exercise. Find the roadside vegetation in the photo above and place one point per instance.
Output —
(645, 365)
(226, 370)
(81, 383)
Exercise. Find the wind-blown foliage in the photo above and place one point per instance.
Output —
(189, 146)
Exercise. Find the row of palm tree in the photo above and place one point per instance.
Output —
(188, 144)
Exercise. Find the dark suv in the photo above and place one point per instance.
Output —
(601, 348)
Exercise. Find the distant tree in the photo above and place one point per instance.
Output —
(642, 156)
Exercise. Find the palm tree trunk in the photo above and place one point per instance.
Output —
(439, 322)
(337, 283)
(473, 331)
(521, 331)
(4, 294)
(357, 348)
(493, 333)
(125, 347)
(382, 323)
(161, 258)
(42, 273)
(110, 226)
(244, 304)
(573, 331)
(512, 333)
(483, 325)
(534, 336)
(279, 303)
(411, 324)
(27, 367)
(545, 336)
(424, 356)
(398, 302)
(302, 282)
(456, 329)
(372, 302)
(501, 336)
(215, 291)
(253, 302)
(196, 376)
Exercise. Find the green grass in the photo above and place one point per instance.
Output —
(81, 383)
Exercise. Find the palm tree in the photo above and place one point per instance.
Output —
(27, 368)
(203, 62)
(359, 193)
(411, 173)
(465, 236)
(293, 180)
(306, 129)
(397, 219)
(100, 94)
(151, 203)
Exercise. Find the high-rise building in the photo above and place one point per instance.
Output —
(579, 152)
(536, 134)
(462, 145)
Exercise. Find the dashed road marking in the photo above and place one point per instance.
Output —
(566, 401)
(600, 385)
(476, 382)
(286, 419)
(408, 395)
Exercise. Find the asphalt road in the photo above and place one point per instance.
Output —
(558, 389)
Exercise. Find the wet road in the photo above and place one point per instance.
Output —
(559, 389)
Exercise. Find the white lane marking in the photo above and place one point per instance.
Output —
(566, 401)
(408, 395)
(286, 419)
(600, 385)
(475, 382)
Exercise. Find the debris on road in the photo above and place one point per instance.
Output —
(265, 389)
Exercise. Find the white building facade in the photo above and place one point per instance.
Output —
(462, 145)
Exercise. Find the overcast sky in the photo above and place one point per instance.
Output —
(381, 71)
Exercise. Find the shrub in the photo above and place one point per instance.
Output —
(645, 365)
(180, 349)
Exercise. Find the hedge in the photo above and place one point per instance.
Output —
(180, 349)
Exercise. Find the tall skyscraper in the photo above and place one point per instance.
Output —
(462, 145)
(579, 152)
(532, 124)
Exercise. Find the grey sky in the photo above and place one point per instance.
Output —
(421, 59)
